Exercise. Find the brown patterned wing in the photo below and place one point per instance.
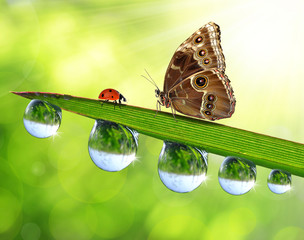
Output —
(205, 94)
(201, 51)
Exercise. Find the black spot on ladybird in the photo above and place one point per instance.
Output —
(110, 90)
(112, 96)
(102, 95)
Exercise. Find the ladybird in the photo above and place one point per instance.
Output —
(110, 94)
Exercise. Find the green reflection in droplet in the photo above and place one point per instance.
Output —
(70, 219)
(181, 159)
(42, 119)
(237, 176)
(182, 168)
(279, 181)
(115, 217)
(112, 147)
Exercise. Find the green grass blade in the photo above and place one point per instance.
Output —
(213, 137)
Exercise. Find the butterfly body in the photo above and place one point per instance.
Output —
(111, 94)
(195, 81)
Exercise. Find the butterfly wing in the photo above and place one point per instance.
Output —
(195, 81)
(201, 51)
(205, 94)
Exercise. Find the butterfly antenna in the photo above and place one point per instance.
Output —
(150, 80)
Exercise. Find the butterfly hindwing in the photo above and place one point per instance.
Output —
(205, 94)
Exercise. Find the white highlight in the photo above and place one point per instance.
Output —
(110, 161)
(236, 187)
(278, 189)
(40, 130)
(181, 183)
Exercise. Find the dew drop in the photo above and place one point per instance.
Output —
(279, 181)
(112, 147)
(41, 119)
(182, 168)
(237, 176)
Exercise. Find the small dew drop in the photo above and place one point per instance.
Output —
(112, 147)
(41, 119)
(237, 176)
(279, 181)
(182, 168)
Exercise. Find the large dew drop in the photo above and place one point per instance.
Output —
(237, 176)
(182, 168)
(41, 119)
(279, 181)
(112, 147)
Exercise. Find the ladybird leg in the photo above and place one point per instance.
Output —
(119, 103)
(102, 102)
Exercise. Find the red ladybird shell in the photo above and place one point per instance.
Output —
(109, 94)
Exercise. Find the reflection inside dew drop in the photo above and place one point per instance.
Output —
(41, 119)
(182, 168)
(237, 176)
(112, 147)
(279, 181)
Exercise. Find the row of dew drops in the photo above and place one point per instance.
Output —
(181, 168)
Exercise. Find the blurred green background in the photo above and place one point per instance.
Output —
(50, 188)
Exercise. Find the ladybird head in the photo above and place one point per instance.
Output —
(122, 98)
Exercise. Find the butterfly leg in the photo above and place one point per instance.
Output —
(158, 104)
(173, 113)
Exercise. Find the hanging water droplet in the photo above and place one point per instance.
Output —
(41, 119)
(279, 181)
(237, 176)
(112, 147)
(182, 168)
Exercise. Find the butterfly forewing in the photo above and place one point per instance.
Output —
(201, 51)
(195, 81)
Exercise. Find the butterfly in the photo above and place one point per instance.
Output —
(195, 81)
